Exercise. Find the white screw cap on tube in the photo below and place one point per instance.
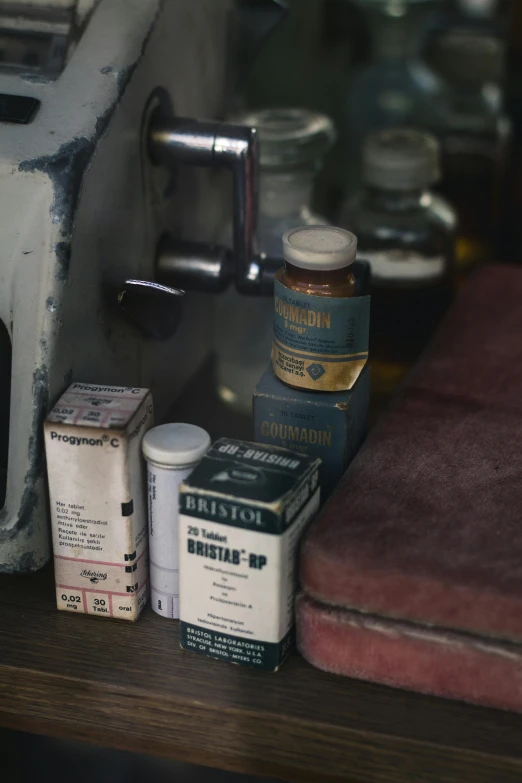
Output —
(319, 248)
(175, 445)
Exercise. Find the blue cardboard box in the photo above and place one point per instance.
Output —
(329, 425)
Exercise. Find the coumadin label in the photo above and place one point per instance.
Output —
(286, 433)
(320, 343)
(237, 582)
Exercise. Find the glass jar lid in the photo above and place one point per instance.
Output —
(290, 137)
(400, 159)
(320, 248)
(470, 57)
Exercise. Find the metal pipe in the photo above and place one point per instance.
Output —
(193, 265)
(174, 141)
(240, 150)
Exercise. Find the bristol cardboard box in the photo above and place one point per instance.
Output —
(242, 513)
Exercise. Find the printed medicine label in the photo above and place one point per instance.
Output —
(237, 588)
(320, 342)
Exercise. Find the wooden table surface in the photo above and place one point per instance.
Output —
(131, 687)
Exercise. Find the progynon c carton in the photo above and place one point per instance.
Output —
(242, 513)
(96, 482)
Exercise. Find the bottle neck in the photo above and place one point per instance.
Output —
(384, 200)
(285, 193)
(316, 276)
(390, 36)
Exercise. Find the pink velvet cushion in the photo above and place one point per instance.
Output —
(427, 524)
(391, 652)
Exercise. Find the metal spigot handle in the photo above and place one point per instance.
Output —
(156, 310)
(174, 141)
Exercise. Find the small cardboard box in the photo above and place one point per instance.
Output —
(96, 482)
(328, 425)
(242, 513)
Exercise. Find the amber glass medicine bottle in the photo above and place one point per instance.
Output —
(320, 339)
(318, 260)
(407, 234)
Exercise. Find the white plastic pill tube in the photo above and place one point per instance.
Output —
(172, 452)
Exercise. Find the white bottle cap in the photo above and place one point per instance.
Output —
(175, 445)
(321, 248)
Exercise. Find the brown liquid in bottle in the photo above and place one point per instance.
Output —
(407, 235)
(336, 282)
(473, 174)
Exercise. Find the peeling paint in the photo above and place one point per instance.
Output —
(36, 78)
(124, 76)
(62, 251)
(24, 564)
(31, 496)
(65, 169)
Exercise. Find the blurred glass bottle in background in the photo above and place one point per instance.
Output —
(396, 87)
(480, 15)
(477, 10)
(407, 234)
(293, 143)
(511, 230)
(474, 136)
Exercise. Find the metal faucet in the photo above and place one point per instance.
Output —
(193, 265)
(156, 307)
(188, 265)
